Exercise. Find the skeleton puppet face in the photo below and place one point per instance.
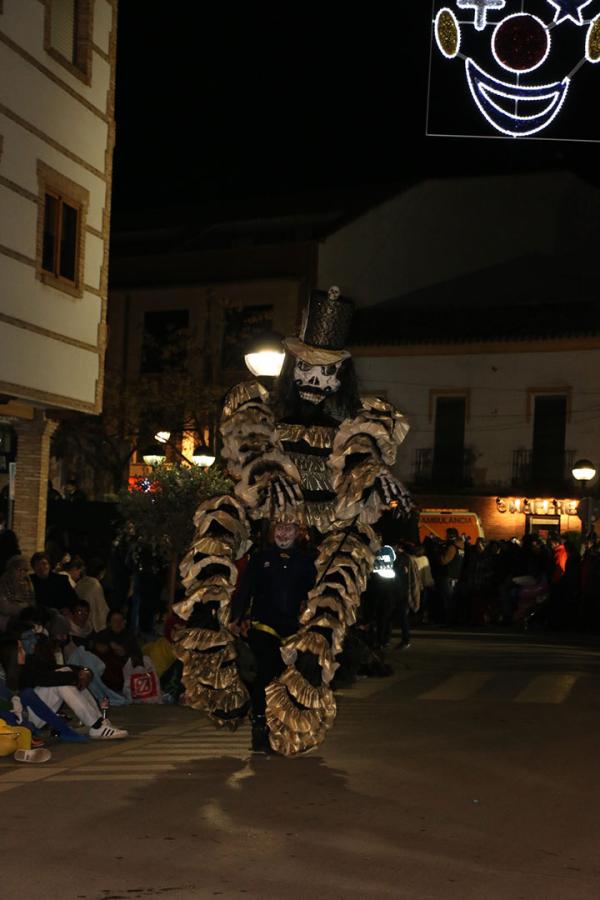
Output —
(315, 383)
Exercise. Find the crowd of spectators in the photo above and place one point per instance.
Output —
(548, 582)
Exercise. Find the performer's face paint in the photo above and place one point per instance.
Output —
(314, 383)
(284, 534)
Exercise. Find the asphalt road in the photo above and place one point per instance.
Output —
(472, 773)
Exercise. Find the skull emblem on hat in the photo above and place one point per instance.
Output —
(520, 56)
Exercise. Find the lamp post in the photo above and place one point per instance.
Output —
(202, 455)
(584, 471)
(264, 355)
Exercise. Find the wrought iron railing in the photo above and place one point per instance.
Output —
(529, 470)
(449, 471)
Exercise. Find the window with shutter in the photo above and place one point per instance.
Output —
(69, 34)
(61, 229)
(62, 28)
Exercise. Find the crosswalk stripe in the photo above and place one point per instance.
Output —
(553, 688)
(458, 687)
(133, 776)
(142, 767)
(198, 754)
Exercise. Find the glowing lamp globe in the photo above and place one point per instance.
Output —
(264, 355)
(153, 457)
(203, 457)
(583, 470)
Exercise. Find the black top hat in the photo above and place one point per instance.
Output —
(325, 328)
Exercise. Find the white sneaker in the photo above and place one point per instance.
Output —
(107, 732)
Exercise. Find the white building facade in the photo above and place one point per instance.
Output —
(57, 59)
(493, 425)
(478, 316)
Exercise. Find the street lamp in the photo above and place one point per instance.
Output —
(203, 457)
(264, 355)
(584, 471)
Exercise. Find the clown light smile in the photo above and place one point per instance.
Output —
(488, 90)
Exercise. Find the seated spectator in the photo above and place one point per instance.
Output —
(52, 591)
(115, 646)
(168, 668)
(74, 634)
(15, 702)
(72, 568)
(80, 627)
(89, 588)
(55, 685)
(16, 590)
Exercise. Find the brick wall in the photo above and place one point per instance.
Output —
(31, 485)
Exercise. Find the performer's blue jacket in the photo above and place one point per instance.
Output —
(273, 588)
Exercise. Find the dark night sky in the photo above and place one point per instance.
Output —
(231, 100)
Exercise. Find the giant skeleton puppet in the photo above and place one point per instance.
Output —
(311, 452)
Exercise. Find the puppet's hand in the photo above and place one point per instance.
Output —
(394, 494)
(283, 492)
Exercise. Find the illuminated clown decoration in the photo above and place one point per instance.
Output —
(508, 48)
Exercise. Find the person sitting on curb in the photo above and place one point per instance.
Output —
(56, 685)
(14, 703)
(52, 591)
(115, 645)
(89, 588)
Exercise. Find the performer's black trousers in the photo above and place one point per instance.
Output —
(267, 650)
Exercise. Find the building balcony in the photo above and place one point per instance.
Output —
(547, 472)
(443, 470)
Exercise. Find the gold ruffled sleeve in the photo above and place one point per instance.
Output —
(363, 453)
(204, 644)
(301, 706)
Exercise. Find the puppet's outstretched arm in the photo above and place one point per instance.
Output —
(268, 483)
(363, 453)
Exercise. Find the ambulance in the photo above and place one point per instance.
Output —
(434, 522)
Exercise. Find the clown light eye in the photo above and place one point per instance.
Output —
(520, 43)
(447, 33)
(592, 43)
